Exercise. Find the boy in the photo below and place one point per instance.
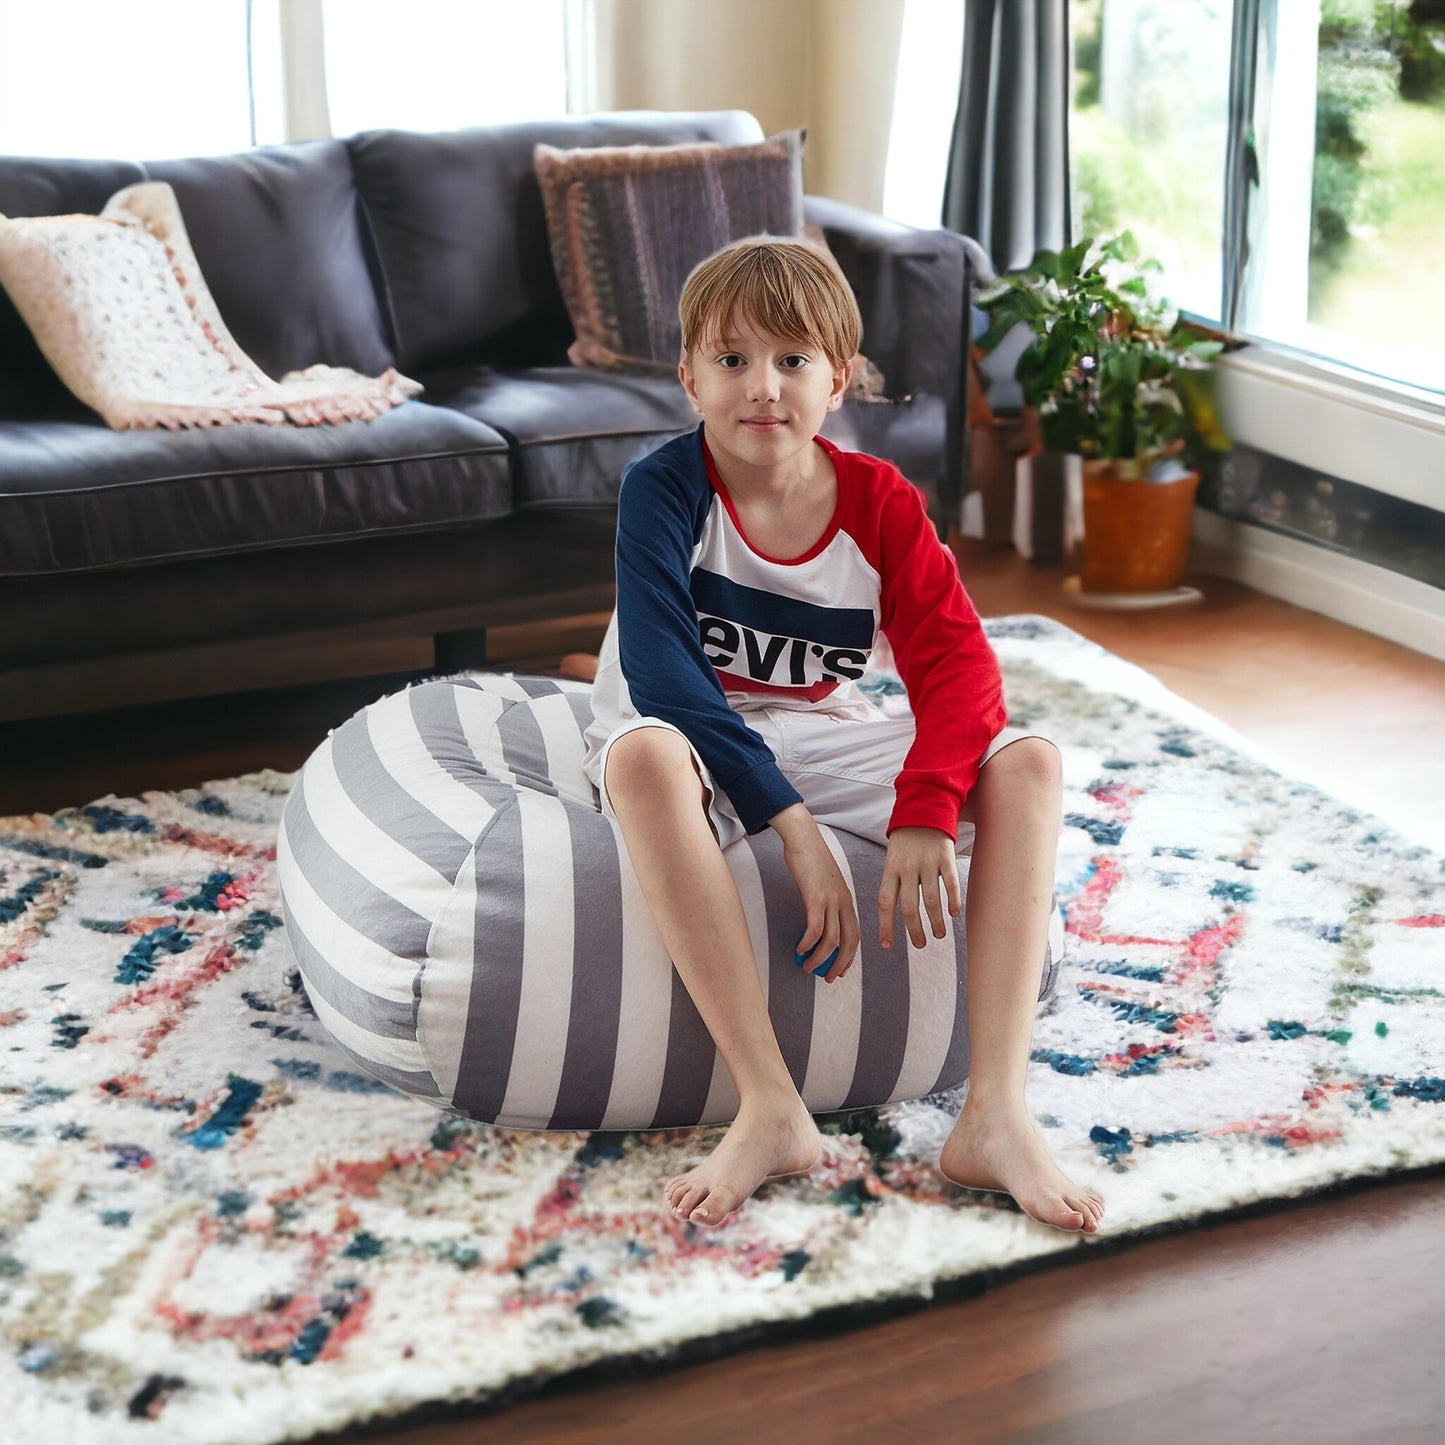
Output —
(756, 566)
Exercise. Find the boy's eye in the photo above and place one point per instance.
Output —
(730, 360)
(795, 362)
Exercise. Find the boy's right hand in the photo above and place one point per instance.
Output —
(832, 915)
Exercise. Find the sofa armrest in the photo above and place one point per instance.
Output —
(911, 286)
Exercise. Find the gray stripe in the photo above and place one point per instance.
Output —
(434, 706)
(406, 1080)
(349, 894)
(537, 686)
(387, 1017)
(408, 821)
(883, 1036)
(524, 750)
(687, 1075)
(496, 993)
(595, 1020)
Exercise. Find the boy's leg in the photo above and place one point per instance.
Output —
(657, 796)
(995, 1143)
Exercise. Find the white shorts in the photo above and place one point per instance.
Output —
(844, 765)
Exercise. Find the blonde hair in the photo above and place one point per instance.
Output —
(791, 288)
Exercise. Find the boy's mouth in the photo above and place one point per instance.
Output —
(764, 423)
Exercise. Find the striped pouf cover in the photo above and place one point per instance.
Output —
(468, 929)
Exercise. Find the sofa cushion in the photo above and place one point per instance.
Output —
(460, 231)
(277, 232)
(573, 430)
(75, 495)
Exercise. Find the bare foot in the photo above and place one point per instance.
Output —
(1002, 1150)
(763, 1142)
(579, 665)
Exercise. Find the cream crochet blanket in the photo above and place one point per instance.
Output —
(119, 307)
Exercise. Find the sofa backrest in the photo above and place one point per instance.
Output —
(277, 232)
(459, 229)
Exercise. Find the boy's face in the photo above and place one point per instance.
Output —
(762, 396)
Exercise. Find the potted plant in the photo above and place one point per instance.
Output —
(1120, 380)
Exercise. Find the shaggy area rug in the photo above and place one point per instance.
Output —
(212, 1228)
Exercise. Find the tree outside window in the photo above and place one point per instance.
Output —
(1346, 124)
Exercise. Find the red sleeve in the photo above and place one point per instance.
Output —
(945, 661)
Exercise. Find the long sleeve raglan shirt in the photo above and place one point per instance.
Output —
(706, 627)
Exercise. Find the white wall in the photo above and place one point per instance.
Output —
(828, 65)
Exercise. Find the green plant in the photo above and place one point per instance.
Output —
(1112, 369)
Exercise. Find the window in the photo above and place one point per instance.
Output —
(156, 79)
(146, 80)
(1315, 221)
(449, 63)
(924, 104)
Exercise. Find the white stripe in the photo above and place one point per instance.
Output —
(562, 738)
(446, 982)
(837, 1021)
(933, 998)
(500, 684)
(545, 1002)
(370, 849)
(355, 957)
(645, 1007)
(479, 712)
(399, 746)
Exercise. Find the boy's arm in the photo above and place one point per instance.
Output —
(667, 672)
(946, 662)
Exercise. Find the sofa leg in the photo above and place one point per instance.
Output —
(457, 651)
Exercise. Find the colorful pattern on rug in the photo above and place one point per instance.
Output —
(213, 1228)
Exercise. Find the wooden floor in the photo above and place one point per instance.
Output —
(1315, 1320)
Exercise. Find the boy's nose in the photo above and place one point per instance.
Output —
(763, 384)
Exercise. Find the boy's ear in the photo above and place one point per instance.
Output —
(684, 375)
(841, 377)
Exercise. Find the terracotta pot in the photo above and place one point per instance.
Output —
(1136, 533)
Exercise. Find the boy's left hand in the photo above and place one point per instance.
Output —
(917, 859)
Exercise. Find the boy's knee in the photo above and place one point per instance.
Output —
(1029, 763)
(650, 756)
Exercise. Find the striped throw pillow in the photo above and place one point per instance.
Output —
(626, 225)
(468, 929)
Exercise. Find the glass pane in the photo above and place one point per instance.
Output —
(925, 100)
(1149, 120)
(453, 63)
(1351, 113)
(148, 80)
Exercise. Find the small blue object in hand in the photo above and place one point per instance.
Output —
(801, 959)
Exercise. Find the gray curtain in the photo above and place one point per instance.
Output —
(1008, 167)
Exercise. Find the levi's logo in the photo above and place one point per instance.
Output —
(780, 660)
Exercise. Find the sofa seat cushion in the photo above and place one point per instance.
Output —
(573, 429)
(75, 495)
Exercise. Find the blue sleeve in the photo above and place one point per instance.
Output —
(667, 672)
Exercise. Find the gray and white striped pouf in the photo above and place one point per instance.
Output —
(469, 929)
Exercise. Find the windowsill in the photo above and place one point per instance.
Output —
(1333, 420)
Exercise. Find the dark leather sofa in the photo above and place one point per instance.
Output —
(144, 565)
